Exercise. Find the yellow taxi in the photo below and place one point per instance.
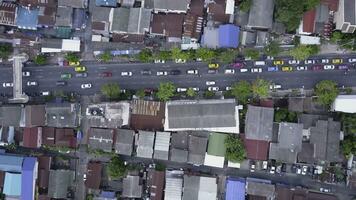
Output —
(336, 61)
(74, 63)
(287, 69)
(213, 65)
(278, 62)
(80, 69)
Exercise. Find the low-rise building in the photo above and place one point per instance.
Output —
(259, 123)
(8, 14)
(345, 17)
(124, 141)
(260, 188)
(199, 188)
(197, 147)
(93, 175)
(73, 3)
(173, 185)
(108, 115)
(155, 183)
(60, 182)
(167, 24)
(132, 188)
(235, 189)
(261, 15)
(32, 137)
(345, 103)
(179, 147)
(62, 115)
(145, 144)
(170, 6)
(101, 139)
(215, 155)
(161, 146)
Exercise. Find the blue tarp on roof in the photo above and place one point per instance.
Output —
(108, 3)
(228, 36)
(12, 184)
(235, 189)
(10, 163)
(27, 18)
(27, 184)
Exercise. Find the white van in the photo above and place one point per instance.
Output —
(243, 70)
(259, 63)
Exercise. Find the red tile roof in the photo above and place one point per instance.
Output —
(332, 4)
(44, 165)
(309, 21)
(65, 137)
(255, 149)
(155, 181)
(93, 175)
(48, 136)
(170, 24)
(32, 137)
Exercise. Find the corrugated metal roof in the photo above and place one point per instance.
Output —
(228, 36)
(173, 189)
(162, 145)
(235, 189)
(12, 184)
(11, 163)
(216, 144)
(145, 144)
(28, 172)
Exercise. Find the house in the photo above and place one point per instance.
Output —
(44, 165)
(29, 178)
(27, 18)
(60, 45)
(124, 142)
(79, 19)
(101, 139)
(284, 192)
(147, 115)
(193, 21)
(217, 11)
(106, 3)
(289, 143)
(62, 115)
(65, 137)
(260, 188)
(10, 115)
(226, 36)
(9, 163)
(34, 116)
(199, 188)
(210, 115)
(174, 185)
(255, 149)
(7, 135)
(12, 184)
(47, 16)
(155, 183)
(132, 188)
(344, 103)
(179, 147)
(345, 17)
(215, 155)
(108, 115)
(93, 175)
(38, 3)
(106, 195)
(32, 137)
(161, 146)
(8, 14)
(145, 144)
(60, 182)
(261, 15)
(259, 123)
(171, 6)
(100, 21)
(316, 20)
(196, 149)
(167, 24)
(64, 17)
(48, 136)
(73, 3)
(235, 189)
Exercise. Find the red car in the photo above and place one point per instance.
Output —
(238, 65)
(106, 74)
(317, 67)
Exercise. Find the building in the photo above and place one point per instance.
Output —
(12, 184)
(132, 188)
(255, 149)
(217, 11)
(215, 155)
(174, 185)
(29, 178)
(8, 14)
(100, 21)
(65, 137)
(289, 143)
(10, 115)
(147, 115)
(64, 17)
(145, 144)
(345, 17)
(261, 15)
(155, 184)
(345, 103)
(59, 45)
(101, 139)
(235, 189)
(199, 188)
(124, 142)
(193, 24)
(62, 115)
(167, 24)
(32, 137)
(93, 175)
(106, 3)
(108, 115)
(179, 147)
(60, 182)
(161, 146)
(226, 36)
(73, 3)
(27, 18)
(34, 115)
(130, 20)
(10, 163)
(47, 16)
(171, 6)
(7, 135)
(209, 115)
(44, 165)
(197, 147)
(259, 123)
(260, 188)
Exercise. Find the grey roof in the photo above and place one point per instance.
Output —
(191, 187)
(131, 20)
(260, 189)
(197, 149)
(210, 38)
(201, 114)
(101, 14)
(278, 28)
(180, 140)
(113, 114)
(326, 137)
(248, 38)
(322, 13)
(51, 43)
(261, 14)
(59, 182)
(173, 188)
(145, 144)
(62, 115)
(349, 11)
(161, 149)
(259, 123)
(170, 5)
(100, 138)
(73, 3)
(124, 141)
(262, 38)
(307, 155)
(179, 155)
(64, 16)
(309, 120)
(132, 187)
(199, 187)
(10, 115)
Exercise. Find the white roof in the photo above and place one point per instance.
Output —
(214, 161)
(309, 40)
(145, 144)
(345, 103)
(173, 189)
(50, 50)
(230, 7)
(233, 165)
(162, 141)
(71, 45)
(207, 188)
(96, 38)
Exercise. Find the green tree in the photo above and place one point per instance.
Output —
(209, 94)
(241, 91)
(235, 151)
(5, 51)
(71, 57)
(207, 55)
(272, 49)
(336, 36)
(252, 53)
(348, 123)
(140, 93)
(260, 88)
(178, 54)
(302, 52)
(348, 145)
(40, 59)
(163, 55)
(160, 167)
(116, 167)
(227, 56)
(245, 5)
(111, 90)
(166, 91)
(106, 56)
(191, 92)
(283, 115)
(326, 91)
(145, 55)
(89, 197)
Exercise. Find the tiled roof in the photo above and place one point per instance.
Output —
(309, 21)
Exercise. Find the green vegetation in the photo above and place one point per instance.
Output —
(241, 91)
(348, 123)
(209, 94)
(145, 55)
(160, 167)
(100, 152)
(140, 93)
(106, 56)
(283, 115)
(207, 55)
(40, 59)
(245, 5)
(5, 51)
(163, 55)
(326, 91)
(344, 40)
(179, 54)
(302, 52)
(235, 151)
(290, 12)
(71, 57)
(348, 145)
(191, 92)
(227, 56)
(260, 88)
(272, 49)
(252, 53)
(89, 197)
(111, 90)
(116, 168)
(166, 91)
(57, 148)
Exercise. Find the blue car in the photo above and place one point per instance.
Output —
(272, 69)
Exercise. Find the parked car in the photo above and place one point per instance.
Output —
(66, 76)
(126, 73)
(238, 65)
(81, 75)
(256, 70)
(278, 62)
(180, 60)
(159, 61)
(45, 93)
(264, 165)
(61, 83)
(229, 71)
(243, 70)
(80, 69)
(146, 72)
(214, 89)
(308, 62)
(210, 83)
(351, 60)
(86, 86)
(26, 73)
(181, 89)
(5, 85)
(252, 166)
(275, 86)
(336, 61)
(192, 71)
(343, 67)
(272, 170)
(227, 88)
(212, 71)
(175, 72)
(302, 68)
(196, 89)
(32, 83)
(324, 61)
(317, 67)
(304, 169)
(74, 63)
(293, 62)
(287, 69)
(162, 73)
(326, 190)
(213, 65)
(329, 67)
(272, 69)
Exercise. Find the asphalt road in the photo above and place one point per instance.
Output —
(47, 76)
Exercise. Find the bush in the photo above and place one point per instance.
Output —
(235, 150)
(166, 91)
(116, 168)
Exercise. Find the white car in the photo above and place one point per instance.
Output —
(275, 86)
(272, 170)
(180, 60)
(213, 89)
(302, 68)
(309, 62)
(325, 190)
(86, 86)
(256, 70)
(196, 89)
(328, 67)
(126, 73)
(299, 171)
(304, 170)
(252, 168)
(45, 93)
(243, 70)
(293, 62)
(162, 73)
(32, 83)
(351, 60)
(192, 71)
(228, 88)
(5, 85)
(84, 177)
(26, 73)
(210, 83)
(159, 61)
(181, 89)
(264, 165)
(324, 61)
(229, 71)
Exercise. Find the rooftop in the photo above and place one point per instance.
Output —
(235, 189)
(29, 175)
(259, 123)
(27, 18)
(145, 144)
(108, 115)
(167, 24)
(261, 14)
(10, 115)
(256, 149)
(32, 137)
(132, 187)
(72, 3)
(199, 188)
(9, 163)
(161, 147)
(93, 175)
(60, 181)
(100, 138)
(35, 115)
(197, 149)
(260, 189)
(124, 141)
(216, 145)
(12, 184)
(228, 36)
(8, 13)
(345, 103)
(168, 5)
(131, 20)
(62, 115)
(155, 183)
(64, 16)
(147, 115)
